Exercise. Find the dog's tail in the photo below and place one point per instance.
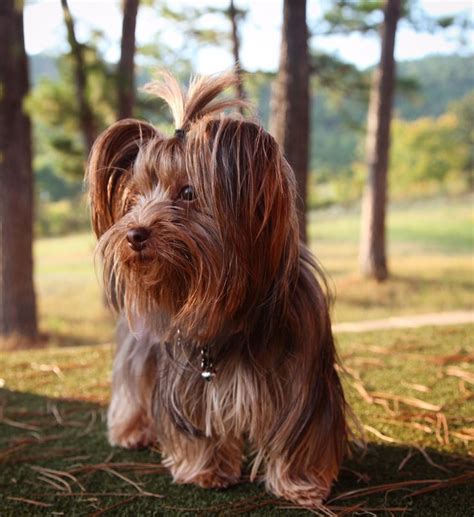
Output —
(199, 100)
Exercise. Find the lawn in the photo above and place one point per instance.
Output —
(411, 389)
(71, 306)
(430, 257)
(430, 254)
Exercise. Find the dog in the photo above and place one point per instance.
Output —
(224, 333)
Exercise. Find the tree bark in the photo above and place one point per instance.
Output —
(126, 68)
(18, 321)
(236, 50)
(86, 115)
(290, 102)
(373, 260)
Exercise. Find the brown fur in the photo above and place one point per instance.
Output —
(226, 270)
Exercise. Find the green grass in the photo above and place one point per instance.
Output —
(54, 406)
(430, 258)
(71, 305)
(440, 224)
(430, 255)
(54, 399)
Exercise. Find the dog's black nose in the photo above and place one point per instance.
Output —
(137, 237)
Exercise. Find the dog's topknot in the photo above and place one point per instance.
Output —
(200, 98)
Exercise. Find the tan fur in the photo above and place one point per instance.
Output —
(225, 270)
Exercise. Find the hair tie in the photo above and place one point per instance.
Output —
(179, 133)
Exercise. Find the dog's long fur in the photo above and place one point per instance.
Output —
(226, 270)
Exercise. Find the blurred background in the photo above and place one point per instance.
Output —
(372, 101)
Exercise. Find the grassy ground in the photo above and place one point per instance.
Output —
(411, 389)
(71, 307)
(430, 251)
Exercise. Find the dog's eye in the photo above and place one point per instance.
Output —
(187, 193)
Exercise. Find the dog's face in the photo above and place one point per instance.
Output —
(200, 226)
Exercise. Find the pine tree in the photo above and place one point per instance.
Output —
(86, 114)
(126, 66)
(290, 103)
(372, 254)
(345, 17)
(18, 321)
(233, 14)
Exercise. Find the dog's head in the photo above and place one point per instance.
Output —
(201, 225)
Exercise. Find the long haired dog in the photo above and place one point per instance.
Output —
(224, 335)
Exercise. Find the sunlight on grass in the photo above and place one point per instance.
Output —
(430, 253)
(436, 225)
(71, 306)
(410, 389)
(430, 257)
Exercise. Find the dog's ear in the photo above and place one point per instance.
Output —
(264, 196)
(110, 168)
(244, 181)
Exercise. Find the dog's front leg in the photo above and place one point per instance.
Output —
(304, 449)
(129, 420)
(128, 423)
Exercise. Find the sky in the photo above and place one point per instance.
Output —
(260, 33)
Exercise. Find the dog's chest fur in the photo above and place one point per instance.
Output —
(237, 401)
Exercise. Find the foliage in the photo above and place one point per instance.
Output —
(337, 119)
(441, 79)
(427, 153)
(333, 75)
(50, 183)
(201, 25)
(62, 217)
(365, 16)
(53, 105)
(52, 187)
(464, 112)
(258, 86)
(346, 16)
(428, 156)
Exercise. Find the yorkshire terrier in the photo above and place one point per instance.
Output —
(224, 335)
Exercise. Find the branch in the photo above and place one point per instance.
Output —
(85, 111)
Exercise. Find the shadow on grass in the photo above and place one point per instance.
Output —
(54, 457)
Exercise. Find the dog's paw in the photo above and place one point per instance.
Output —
(214, 480)
(308, 490)
(136, 434)
(306, 498)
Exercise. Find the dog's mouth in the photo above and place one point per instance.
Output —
(143, 255)
(137, 246)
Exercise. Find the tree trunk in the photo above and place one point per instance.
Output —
(373, 260)
(18, 324)
(126, 68)
(85, 111)
(290, 103)
(236, 50)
